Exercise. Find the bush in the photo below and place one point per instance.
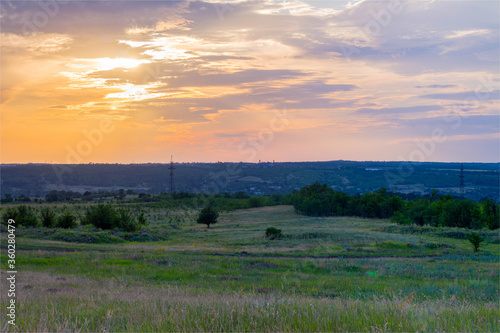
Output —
(126, 221)
(273, 233)
(48, 217)
(102, 216)
(9, 214)
(26, 216)
(66, 221)
(141, 219)
(207, 216)
(475, 239)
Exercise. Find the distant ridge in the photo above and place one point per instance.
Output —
(37, 179)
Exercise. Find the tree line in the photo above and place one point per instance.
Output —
(103, 216)
(313, 200)
(436, 210)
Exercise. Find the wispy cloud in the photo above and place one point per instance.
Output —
(467, 95)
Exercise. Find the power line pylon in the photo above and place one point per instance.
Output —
(171, 168)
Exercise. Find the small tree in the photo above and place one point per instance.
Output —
(10, 213)
(26, 216)
(102, 216)
(141, 219)
(66, 220)
(126, 221)
(48, 217)
(207, 216)
(475, 240)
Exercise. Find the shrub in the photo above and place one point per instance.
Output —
(102, 216)
(26, 216)
(48, 217)
(66, 221)
(207, 216)
(141, 219)
(8, 214)
(126, 221)
(273, 233)
(475, 239)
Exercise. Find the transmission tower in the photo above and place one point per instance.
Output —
(171, 168)
(462, 192)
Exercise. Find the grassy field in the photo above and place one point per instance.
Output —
(324, 274)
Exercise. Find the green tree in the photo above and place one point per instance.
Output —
(26, 216)
(490, 214)
(101, 216)
(52, 196)
(66, 220)
(48, 217)
(141, 219)
(418, 211)
(10, 213)
(256, 201)
(475, 239)
(434, 195)
(315, 200)
(207, 216)
(458, 213)
(126, 221)
(105, 216)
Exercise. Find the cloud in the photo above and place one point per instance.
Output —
(438, 86)
(416, 37)
(37, 43)
(195, 78)
(467, 95)
(471, 125)
(399, 110)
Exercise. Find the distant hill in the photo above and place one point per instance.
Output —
(481, 179)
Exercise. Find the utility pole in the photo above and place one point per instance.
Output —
(171, 168)
(462, 192)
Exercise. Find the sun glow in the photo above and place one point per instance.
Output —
(134, 92)
(111, 63)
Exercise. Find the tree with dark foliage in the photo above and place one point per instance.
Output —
(208, 216)
(475, 239)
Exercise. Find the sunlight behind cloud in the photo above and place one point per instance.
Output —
(104, 64)
(166, 48)
(134, 92)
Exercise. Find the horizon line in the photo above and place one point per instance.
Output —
(239, 162)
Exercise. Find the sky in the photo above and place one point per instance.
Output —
(243, 81)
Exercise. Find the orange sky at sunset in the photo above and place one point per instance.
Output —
(138, 81)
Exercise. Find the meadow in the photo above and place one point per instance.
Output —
(323, 274)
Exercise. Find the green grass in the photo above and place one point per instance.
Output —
(324, 274)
